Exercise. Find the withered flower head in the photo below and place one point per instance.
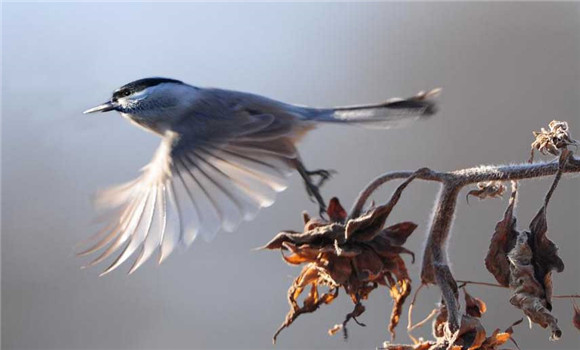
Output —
(357, 255)
(552, 140)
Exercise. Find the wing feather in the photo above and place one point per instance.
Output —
(194, 187)
(156, 231)
(139, 234)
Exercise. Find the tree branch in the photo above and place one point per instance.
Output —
(435, 269)
(469, 176)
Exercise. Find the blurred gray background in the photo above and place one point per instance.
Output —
(506, 69)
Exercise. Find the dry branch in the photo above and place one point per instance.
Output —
(452, 327)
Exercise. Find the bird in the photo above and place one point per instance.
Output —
(223, 155)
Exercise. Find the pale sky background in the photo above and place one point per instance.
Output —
(506, 69)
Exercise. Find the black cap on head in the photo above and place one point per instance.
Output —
(141, 84)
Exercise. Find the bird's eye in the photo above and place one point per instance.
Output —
(126, 93)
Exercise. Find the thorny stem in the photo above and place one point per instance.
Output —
(435, 269)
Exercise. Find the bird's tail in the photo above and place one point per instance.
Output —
(384, 115)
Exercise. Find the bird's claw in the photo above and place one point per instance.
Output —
(313, 190)
(323, 175)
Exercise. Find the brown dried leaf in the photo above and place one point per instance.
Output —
(397, 234)
(368, 266)
(474, 307)
(360, 261)
(471, 333)
(335, 211)
(399, 292)
(502, 241)
(311, 303)
(531, 259)
(499, 338)
(545, 258)
(576, 317)
(302, 254)
(358, 310)
(420, 346)
(489, 189)
(368, 225)
(527, 293)
(319, 235)
(439, 322)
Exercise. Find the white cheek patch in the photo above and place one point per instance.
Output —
(130, 101)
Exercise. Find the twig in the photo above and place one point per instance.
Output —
(410, 312)
(571, 296)
(425, 320)
(435, 269)
(481, 283)
(470, 176)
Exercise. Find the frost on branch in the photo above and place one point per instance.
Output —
(358, 255)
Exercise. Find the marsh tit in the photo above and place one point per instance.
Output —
(223, 156)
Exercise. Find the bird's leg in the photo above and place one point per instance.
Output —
(313, 189)
(322, 173)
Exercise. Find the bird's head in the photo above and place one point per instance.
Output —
(144, 96)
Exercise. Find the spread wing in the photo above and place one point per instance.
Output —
(195, 186)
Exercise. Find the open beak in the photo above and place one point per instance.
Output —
(105, 107)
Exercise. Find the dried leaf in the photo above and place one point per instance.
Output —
(335, 211)
(499, 338)
(532, 261)
(397, 234)
(359, 256)
(366, 226)
(302, 254)
(439, 322)
(545, 257)
(311, 303)
(420, 346)
(576, 317)
(527, 293)
(399, 292)
(319, 235)
(471, 333)
(531, 258)
(358, 310)
(474, 307)
(502, 241)
(489, 189)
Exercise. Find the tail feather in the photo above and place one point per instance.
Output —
(384, 115)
